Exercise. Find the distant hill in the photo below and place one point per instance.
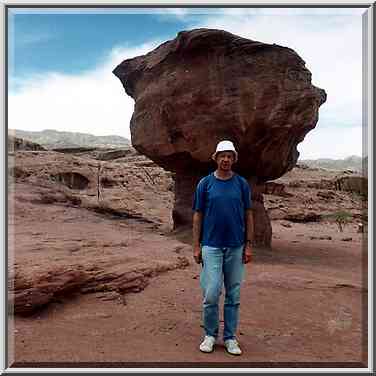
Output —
(52, 139)
(353, 163)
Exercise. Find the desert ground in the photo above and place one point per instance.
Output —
(92, 288)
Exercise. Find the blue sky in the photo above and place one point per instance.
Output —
(72, 43)
(60, 64)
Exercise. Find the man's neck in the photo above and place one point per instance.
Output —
(220, 174)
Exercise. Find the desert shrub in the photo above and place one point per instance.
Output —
(341, 218)
(358, 196)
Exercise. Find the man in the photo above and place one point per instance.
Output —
(222, 238)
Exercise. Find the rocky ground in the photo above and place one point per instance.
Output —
(96, 276)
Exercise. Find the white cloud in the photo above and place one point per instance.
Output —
(93, 102)
(179, 13)
(331, 46)
(292, 11)
(332, 143)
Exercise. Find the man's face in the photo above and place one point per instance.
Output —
(225, 160)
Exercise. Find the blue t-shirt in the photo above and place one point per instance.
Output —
(223, 204)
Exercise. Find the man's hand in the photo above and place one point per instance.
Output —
(247, 253)
(197, 254)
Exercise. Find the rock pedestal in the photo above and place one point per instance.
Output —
(208, 85)
(185, 185)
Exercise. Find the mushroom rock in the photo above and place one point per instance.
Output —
(207, 85)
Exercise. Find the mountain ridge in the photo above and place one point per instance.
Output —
(353, 162)
(53, 139)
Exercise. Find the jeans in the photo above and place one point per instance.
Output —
(221, 266)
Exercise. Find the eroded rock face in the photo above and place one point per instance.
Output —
(121, 187)
(16, 143)
(208, 85)
(356, 184)
(30, 294)
(272, 188)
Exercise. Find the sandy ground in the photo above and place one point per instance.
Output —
(303, 304)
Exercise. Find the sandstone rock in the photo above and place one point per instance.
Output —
(109, 296)
(122, 283)
(117, 188)
(262, 226)
(208, 85)
(17, 172)
(276, 213)
(73, 150)
(326, 184)
(27, 302)
(114, 154)
(302, 217)
(356, 184)
(28, 295)
(16, 143)
(133, 280)
(322, 184)
(320, 237)
(286, 224)
(346, 239)
(277, 189)
(28, 298)
(326, 195)
(296, 184)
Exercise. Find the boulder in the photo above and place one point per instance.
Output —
(207, 85)
(275, 189)
(114, 154)
(302, 216)
(34, 295)
(353, 183)
(29, 295)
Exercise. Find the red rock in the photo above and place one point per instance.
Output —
(302, 216)
(16, 143)
(208, 85)
(121, 188)
(326, 195)
(44, 289)
(356, 184)
(271, 188)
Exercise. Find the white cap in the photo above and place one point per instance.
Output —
(225, 145)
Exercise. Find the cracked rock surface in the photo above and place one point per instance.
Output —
(207, 85)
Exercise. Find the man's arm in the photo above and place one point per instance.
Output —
(197, 224)
(249, 236)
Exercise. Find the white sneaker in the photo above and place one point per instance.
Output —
(232, 347)
(207, 345)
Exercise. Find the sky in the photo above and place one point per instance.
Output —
(60, 64)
